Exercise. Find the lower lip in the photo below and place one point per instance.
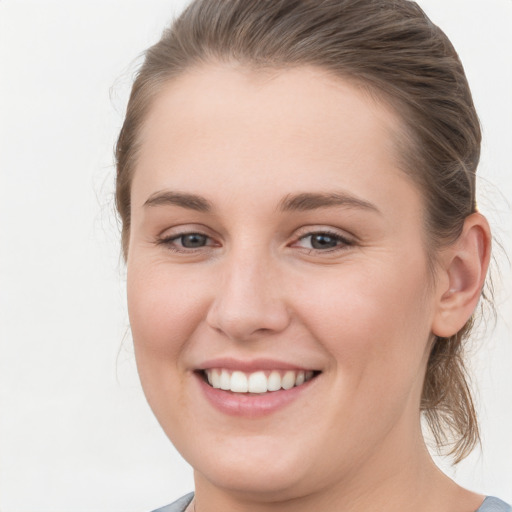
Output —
(251, 405)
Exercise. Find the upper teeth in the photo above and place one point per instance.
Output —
(256, 382)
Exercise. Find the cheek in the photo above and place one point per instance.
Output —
(375, 323)
(165, 308)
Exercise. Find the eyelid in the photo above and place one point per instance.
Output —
(308, 231)
(168, 237)
(327, 230)
(184, 229)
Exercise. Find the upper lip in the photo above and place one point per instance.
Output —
(251, 365)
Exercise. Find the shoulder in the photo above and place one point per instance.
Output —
(492, 504)
(179, 505)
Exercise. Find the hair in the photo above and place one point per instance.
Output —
(392, 50)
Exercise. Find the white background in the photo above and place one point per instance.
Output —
(75, 431)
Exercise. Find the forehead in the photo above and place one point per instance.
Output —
(298, 127)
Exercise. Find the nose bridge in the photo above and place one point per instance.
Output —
(248, 301)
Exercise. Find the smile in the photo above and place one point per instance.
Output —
(259, 382)
(256, 388)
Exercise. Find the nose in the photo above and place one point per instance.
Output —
(249, 302)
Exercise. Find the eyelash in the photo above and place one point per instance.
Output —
(169, 242)
(342, 242)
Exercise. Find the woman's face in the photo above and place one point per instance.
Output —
(274, 240)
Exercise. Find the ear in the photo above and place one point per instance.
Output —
(463, 269)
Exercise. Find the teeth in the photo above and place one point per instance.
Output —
(214, 378)
(274, 381)
(288, 380)
(225, 381)
(256, 382)
(239, 382)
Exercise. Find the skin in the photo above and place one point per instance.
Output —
(363, 312)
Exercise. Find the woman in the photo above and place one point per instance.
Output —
(296, 182)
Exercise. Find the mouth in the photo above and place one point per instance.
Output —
(258, 382)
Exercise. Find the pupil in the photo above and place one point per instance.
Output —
(193, 240)
(323, 241)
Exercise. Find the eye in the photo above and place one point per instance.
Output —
(322, 241)
(192, 240)
(186, 242)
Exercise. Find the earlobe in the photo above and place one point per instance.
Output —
(464, 265)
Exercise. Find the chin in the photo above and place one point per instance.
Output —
(267, 472)
(261, 483)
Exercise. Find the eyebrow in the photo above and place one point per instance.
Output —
(304, 201)
(312, 201)
(182, 199)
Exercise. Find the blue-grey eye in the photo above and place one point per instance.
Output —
(324, 241)
(193, 240)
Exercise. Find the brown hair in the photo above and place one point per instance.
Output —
(393, 50)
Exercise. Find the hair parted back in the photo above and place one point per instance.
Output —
(394, 51)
